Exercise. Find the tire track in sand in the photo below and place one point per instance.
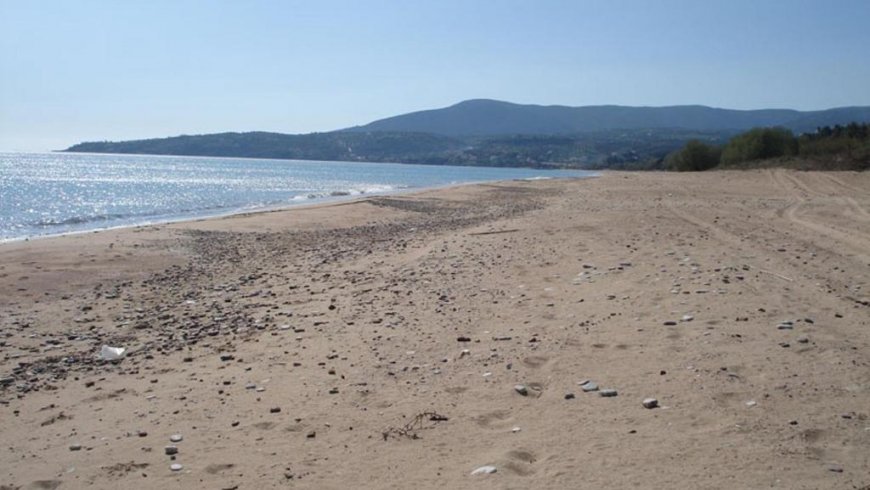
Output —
(856, 241)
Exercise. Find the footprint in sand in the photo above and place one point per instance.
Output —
(216, 468)
(520, 462)
(44, 485)
(499, 420)
(536, 362)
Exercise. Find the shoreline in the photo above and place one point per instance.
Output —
(319, 201)
(343, 195)
(306, 346)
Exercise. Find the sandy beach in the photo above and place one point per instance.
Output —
(406, 341)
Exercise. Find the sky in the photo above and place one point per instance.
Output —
(89, 70)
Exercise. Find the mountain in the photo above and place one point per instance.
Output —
(494, 133)
(343, 146)
(493, 117)
(593, 149)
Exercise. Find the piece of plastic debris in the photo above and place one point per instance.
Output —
(484, 470)
(112, 353)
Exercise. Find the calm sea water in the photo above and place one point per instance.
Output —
(52, 193)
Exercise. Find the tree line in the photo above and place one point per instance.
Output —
(839, 147)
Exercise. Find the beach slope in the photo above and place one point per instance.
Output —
(406, 341)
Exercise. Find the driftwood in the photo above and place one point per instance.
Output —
(776, 275)
(415, 424)
(494, 232)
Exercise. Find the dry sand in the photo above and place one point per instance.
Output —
(353, 319)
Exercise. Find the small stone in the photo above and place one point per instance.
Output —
(670, 323)
(463, 339)
(650, 403)
(484, 470)
(141, 433)
(803, 340)
(569, 396)
(275, 410)
(75, 447)
(170, 450)
(176, 467)
(589, 386)
(176, 438)
(522, 390)
(835, 468)
(787, 325)
(751, 403)
(311, 435)
(608, 392)
(516, 429)
(687, 318)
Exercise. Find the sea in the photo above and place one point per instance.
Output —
(43, 194)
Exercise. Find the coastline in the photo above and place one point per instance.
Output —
(84, 223)
(350, 318)
(319, 201)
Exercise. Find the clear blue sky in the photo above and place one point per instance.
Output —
(116, 69)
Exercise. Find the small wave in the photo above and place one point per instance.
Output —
(540, 177)
(78, 220)
(356, 191)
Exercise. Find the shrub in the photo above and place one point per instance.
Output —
(695, 156)
(759, 144)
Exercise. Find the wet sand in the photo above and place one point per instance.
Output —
(384, 342)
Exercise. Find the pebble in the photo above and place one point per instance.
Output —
(589, 386)
(75, 447)
(608, 392)
(835, 468)
(687, 318)
(670, 323)
(170, 450)
(275, 410)
(569, 396)
(787, 325)
(751, 403)
(803, 340)
(176, 467)
(522, 390)
(516, 429)
(176, 438)
(484, 470)
(650, 403)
